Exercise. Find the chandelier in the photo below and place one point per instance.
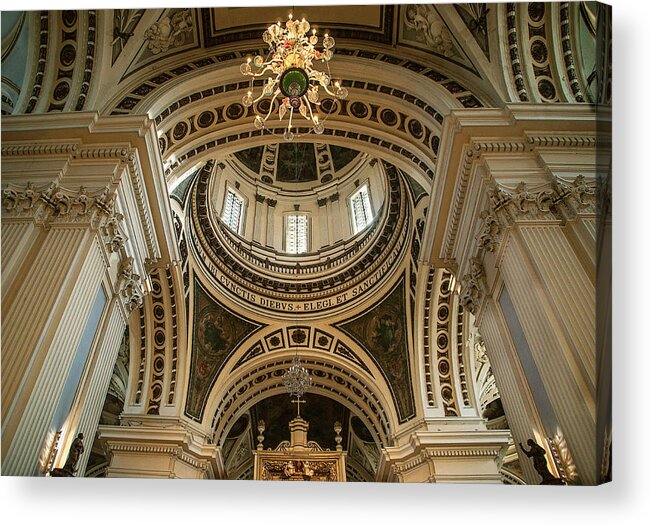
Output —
(297, 381)
(292, 77)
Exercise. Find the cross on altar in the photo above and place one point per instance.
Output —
(298, 405)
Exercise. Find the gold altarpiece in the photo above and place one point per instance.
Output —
(299, 459)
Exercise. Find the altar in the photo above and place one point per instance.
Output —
(299, 459)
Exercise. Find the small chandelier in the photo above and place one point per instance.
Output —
(297, 381)
(292, 54)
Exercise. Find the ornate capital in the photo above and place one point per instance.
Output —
(112, 235)
(560, 200)
(54, 203)
(579, 195)
(491, 231)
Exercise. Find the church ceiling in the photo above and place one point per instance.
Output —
(296, 162)
(177, 30)
(125, 22)
(180, 192)
(545, 53)
(174, 32)
(216, 333)
(475, 17)
(365, 22)
(382, 331)
(258, 283)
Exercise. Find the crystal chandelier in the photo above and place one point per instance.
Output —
(297, 380)
(293, 79)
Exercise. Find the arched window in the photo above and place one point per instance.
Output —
(360, 207)
(297, 229)
(233, 211)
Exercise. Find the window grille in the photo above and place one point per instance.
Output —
(360, 204)
(296, 234)
(232, 212)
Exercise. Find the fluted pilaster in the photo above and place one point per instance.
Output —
(570, 393)
(90, 398)
(29, 439)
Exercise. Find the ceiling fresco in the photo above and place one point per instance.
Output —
(297, 162)
(216, 333)
(382, 331)
(174, 32)
(367, 22)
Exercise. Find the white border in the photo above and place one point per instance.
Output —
(34, 500)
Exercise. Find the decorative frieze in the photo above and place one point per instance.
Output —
(562, 201)
(46, 148)
(579, 194)
(112, 234)
(489, 236)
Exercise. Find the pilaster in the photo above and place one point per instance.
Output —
(84, 207)
(514, 213)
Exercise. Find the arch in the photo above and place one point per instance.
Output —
(392, 67)
(196, 127)
(358, 386)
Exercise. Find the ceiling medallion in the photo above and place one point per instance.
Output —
(292, 54)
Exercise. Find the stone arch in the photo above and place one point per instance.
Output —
(389, 66)
(194, 128)
(391, 112)
(359, 386)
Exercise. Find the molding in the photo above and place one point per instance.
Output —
(430, 447)
(177, 442)
(55, 204)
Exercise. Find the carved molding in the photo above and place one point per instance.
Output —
(562, 200)
(474, 153)
(473, 286)
(19, 150)
(130, 286)
(53, 203)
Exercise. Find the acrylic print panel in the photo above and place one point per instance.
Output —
(331, 243)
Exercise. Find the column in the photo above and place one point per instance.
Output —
(513, 212)
(85, 414)
(33, 406)
(323, 222)
(336, 217)
(259, 220)
(270, 240)
(73, 274)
